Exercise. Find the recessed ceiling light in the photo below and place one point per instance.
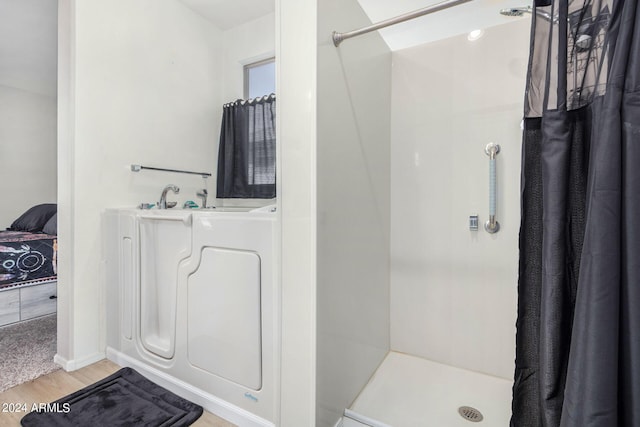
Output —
(475, 35)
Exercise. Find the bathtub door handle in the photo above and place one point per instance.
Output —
(184, 218)
(492, 225)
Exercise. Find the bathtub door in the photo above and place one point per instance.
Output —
(165, 240)
(224, 316)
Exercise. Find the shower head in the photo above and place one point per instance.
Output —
(521, 10)
(583, 38)
(516, 11)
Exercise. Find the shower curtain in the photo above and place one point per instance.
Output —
(578, 328)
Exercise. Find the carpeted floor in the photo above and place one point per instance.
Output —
(27, 350)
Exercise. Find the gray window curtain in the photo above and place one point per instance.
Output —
(578, 328)
(247, 151)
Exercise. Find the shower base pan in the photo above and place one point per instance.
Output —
(407, 391)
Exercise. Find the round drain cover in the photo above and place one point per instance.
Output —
(470, 414)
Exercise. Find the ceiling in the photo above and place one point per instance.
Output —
(28, 45)
(226, 14)
(476, 14)
(28, 29)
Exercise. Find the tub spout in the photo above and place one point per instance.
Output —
(162, 204)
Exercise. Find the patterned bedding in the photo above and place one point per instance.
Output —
(27, 258)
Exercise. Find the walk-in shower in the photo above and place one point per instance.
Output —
(463, 302)
(448, 294)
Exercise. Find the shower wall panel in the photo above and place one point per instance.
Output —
(453, 291)
(353, 208)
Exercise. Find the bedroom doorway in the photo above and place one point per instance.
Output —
(29, 169)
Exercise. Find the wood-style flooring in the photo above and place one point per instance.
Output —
(60, 383)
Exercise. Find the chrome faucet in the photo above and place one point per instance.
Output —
(203, 195)
(162, 204)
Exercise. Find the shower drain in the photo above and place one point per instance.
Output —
(470, 414)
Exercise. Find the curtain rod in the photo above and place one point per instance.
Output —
(269, 97)
(340, 37)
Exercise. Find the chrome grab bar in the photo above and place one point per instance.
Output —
(492, 225)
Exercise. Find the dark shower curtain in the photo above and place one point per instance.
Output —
(578, 328)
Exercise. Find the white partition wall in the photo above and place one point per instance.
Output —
(354, 91)
(296, 183)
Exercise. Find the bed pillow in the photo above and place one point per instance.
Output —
(35, 218)
(51, 227)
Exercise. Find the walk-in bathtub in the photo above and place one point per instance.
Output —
(191, 304)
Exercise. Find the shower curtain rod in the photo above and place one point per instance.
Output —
(340, 37)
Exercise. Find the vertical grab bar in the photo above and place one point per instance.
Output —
(492, 226)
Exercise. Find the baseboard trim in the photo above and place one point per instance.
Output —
(61, 361)
(75, 364)
(208, 401)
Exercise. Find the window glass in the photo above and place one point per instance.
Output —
(260, 79)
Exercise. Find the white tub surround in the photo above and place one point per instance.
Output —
(454, 291)
(191, 303)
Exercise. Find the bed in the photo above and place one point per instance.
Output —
(27, 258)
(28, 265)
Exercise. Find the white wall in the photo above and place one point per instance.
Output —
(28, 161)
(296, 183)
(354, 98)
(28, 45)
(453, 291)
(140, 83)
(246, 44)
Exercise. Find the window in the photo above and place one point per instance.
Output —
(260, 78)
(247, 152)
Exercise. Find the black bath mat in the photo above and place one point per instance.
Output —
(125, 398)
